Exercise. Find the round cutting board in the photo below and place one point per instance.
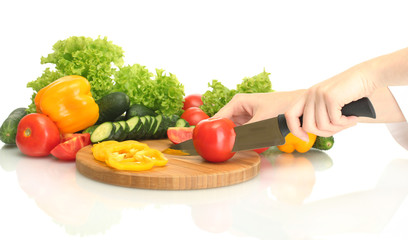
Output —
(181, 172)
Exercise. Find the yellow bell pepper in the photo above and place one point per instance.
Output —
(68, 102)
(293, 143)
(128, 155)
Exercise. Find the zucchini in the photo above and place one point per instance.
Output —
(112, 106)
(103, 132)
(8, 129)
(140, 111)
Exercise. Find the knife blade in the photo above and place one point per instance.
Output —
(272, 131)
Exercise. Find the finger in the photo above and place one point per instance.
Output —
(293, 122)
(322, 117)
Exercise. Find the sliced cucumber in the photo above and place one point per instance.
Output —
(125, 129)
(103, 132)
(118, 134)
(90, 129)
(151, 128)
(182, 123)
(159, 119)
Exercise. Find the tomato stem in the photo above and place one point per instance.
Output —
(27, 132)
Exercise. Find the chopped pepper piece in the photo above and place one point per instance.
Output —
(293, 143)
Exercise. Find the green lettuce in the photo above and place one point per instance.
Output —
(93, 59)
(219, 95)
(162, 93)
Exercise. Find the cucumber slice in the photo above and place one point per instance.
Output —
(90, 129)
(146, 126)
(125, 129)
(182, 123)
(103, 132)
(118, 134)
(152, 127)
(159, 119)
(133, 124)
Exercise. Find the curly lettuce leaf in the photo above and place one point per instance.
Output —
(162, 93)
(219, 96)
(257, 84)
(92, 59)
(215, 99)
(168, 94)
(135, 81)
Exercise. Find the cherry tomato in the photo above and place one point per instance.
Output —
(37, 135)
(68, 149)
(192, 100)
(214, 139)
(179, 134)
(194, 115)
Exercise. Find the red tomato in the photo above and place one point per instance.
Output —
(194, 115)
(214, 139)
(68, 149)
(192, 100)
(86, 137)
(37, 135)
(179, 134)
(261, 150)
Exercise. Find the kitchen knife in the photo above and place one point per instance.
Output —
(272, 131)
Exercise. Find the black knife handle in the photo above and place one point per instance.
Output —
(360, 108)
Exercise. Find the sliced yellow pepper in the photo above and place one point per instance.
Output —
(293, 143)
(68, 102)
(128, 155)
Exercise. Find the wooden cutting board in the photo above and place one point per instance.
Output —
(180, 173)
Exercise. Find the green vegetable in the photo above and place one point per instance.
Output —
(90, 129)
(139, 110)
(8, 129)
(112, 106)
(163, 94)
(215, 99)
(103, 132)
(93, 59)
(323, 143)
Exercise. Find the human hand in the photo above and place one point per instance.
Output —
(247, 108)
(321, 104)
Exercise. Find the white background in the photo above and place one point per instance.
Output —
(299, 42)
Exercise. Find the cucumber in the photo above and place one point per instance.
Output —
(125, 129)
(182, 123)
(8, 129)
(158, 120)
(140, 111)
(145, 127)
(151, 128)
(323, 143)
(133, 125)
(90, 129)
(119, 132)
(103, 132)
(112, 106)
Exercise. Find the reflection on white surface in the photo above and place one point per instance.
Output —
(293, 197)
